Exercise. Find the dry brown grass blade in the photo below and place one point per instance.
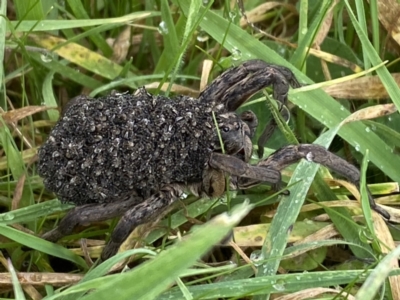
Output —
(175, 88)
(371, 112)
(259, 13)
(243, 255)
(15, 115)
(335, 59)
(41, 278)
(362, 88)
(315, 206)
(314, 292)
(325, 233)
(18, 192)
(121, 45)
(28, 288)
(325, 26)
(387, 244)
(321, 35)
(253, 235)
(27, 156)
(205, 73)
(388, 13)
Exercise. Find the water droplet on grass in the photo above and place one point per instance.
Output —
(162, 28)
(236, 54)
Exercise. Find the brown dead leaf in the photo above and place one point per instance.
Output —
(325, 233)
(176, 88)
(40, 279)
(325, 26)
(18, 192)
(205, 73)
(27, 156)
(258, 14)
(388, 13)
(121, 45)
(371, 112)
(15, 115)
(369, 87)
(314, 292)
(387, 244)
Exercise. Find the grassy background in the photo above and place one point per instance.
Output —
(54, 50)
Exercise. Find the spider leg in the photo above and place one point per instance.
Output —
(237, 167)
(251, 120)
(233, 87)
(318, 154)
(268, 131)
(89, 213)
(139, 214)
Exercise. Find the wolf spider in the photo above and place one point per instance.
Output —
(134, 155)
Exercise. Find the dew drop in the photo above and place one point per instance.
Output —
(279, 285)
(162, 28)
(46, 58)
(256, 257)
(236, 54)
(8, 216)
(202, 36)
(367, 129)
(310, 156)
(232, 16)
(308, 221)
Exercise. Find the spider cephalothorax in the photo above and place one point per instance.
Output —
(134, 155)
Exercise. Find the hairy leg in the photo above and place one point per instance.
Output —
(233, 87)
(141, 213)
(318, 154)
(237, 167)
(89, 213)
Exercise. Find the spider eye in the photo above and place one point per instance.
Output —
(225, 129)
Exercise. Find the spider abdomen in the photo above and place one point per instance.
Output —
(106, 149)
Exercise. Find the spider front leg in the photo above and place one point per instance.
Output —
(234, 87)
(234, 166)
(318, 154)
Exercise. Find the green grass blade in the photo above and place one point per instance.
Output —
(299, 56)
(387, 80)
(29, 9)
(316, 103)
(285, 283)
(288, 210)
(33, 212)
(41, 245)
(18, 292)
(80, 13)
(49, 25)
(377, 277)
(160, 272)
(3, 11)
(48, 96)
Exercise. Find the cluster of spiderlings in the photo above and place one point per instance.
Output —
(106, 149)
